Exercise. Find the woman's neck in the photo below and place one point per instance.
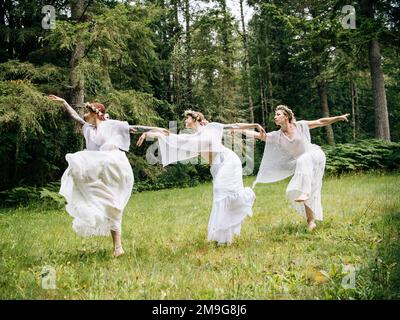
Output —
(286, 127)
(98, 121)
(197, 126)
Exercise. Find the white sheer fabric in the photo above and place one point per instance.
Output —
(99, 180)
(298, 157)
(110, 135)
(184, 146)
(232, 202)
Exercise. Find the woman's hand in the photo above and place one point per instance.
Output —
(344, 117)
(164, 131)
(141, 139)
(132, 130)
(263, 135)
(232, 131)
(261, 130)
(55, 98)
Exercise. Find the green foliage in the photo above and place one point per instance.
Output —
(293, 45)
(179, 176)
(135, 107)
(48, 197)
(363, 155)
(23, 106)
(118, 48)
(19, 196)
(34, 136)
(216, 49)
(16, 70)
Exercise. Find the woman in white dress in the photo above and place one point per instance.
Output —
(98, 181)
(232, 202)
(289, 151)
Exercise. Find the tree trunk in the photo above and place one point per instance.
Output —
(382, 129)
(10, 40)
(246, 64)
(353, 108)
(268, 87)
(323, 96)
(270, 97)
(225, 35)
(357, 109)
(175, 77)
(189, 72)
(3, 39)
(77, 81)
(261, 92)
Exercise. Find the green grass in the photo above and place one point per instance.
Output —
(168, 257)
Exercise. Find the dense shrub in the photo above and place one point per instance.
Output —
(362, 155)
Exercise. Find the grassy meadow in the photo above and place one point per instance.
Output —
(168, 256)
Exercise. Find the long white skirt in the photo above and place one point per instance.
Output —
(307, 179)
(97, 186)
(232, 203)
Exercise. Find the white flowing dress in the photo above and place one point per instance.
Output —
(98, 181)
(232, 202)
(284, 157)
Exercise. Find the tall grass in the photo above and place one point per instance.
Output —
(168, 257)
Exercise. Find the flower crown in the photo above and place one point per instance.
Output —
(93, 108)
(195, 115)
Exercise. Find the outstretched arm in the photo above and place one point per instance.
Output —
(252, 134)
(140, 129)
(152, 134)
(327, 121)
(244, 126)
(74, 115)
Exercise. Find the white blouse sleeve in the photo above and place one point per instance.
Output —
(116, 134)
(180, 147)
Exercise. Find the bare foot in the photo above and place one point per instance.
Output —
(301, 198)
(118, 252)
(311, 226)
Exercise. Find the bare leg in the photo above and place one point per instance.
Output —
(118, 250)
(310, 218)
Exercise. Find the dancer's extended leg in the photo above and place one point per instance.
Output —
(118, 250)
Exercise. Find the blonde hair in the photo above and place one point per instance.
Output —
(196, 115)
(287, 112)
